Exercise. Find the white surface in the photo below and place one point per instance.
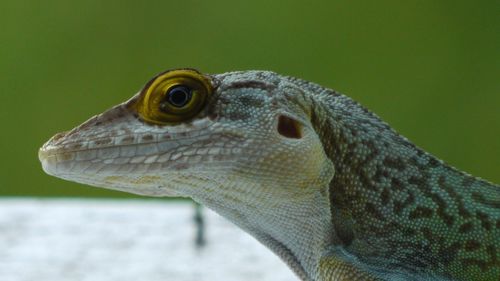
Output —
(108, 240)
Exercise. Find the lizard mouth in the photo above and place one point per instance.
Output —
(50, 155)
(103, 167)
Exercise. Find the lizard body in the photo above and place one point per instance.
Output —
(310, 173)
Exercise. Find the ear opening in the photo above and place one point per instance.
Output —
(289, 128)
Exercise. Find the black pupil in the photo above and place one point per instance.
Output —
(179, 96)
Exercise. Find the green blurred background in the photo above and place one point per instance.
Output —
(429, 68)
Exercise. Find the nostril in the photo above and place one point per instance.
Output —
(59, 136)
(289, 127)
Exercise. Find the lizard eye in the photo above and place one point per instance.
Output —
(178, 96)
(173, 96)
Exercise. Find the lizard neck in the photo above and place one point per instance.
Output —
(398, 211)
(298, 232)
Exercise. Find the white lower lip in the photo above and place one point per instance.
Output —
(51, 159)
(49, 163)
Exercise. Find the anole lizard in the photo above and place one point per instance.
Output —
(320, 180)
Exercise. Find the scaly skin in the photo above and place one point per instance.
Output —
(314, 176)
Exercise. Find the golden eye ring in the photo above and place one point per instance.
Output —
(173, 96)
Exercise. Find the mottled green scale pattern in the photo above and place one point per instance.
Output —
(397, 209)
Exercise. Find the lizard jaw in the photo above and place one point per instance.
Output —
(114, 150)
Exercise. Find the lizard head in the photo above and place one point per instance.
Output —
(210, 137)
(241, 143)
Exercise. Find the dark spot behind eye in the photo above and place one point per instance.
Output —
(289, 128)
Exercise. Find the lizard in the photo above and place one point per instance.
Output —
(313, 175)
